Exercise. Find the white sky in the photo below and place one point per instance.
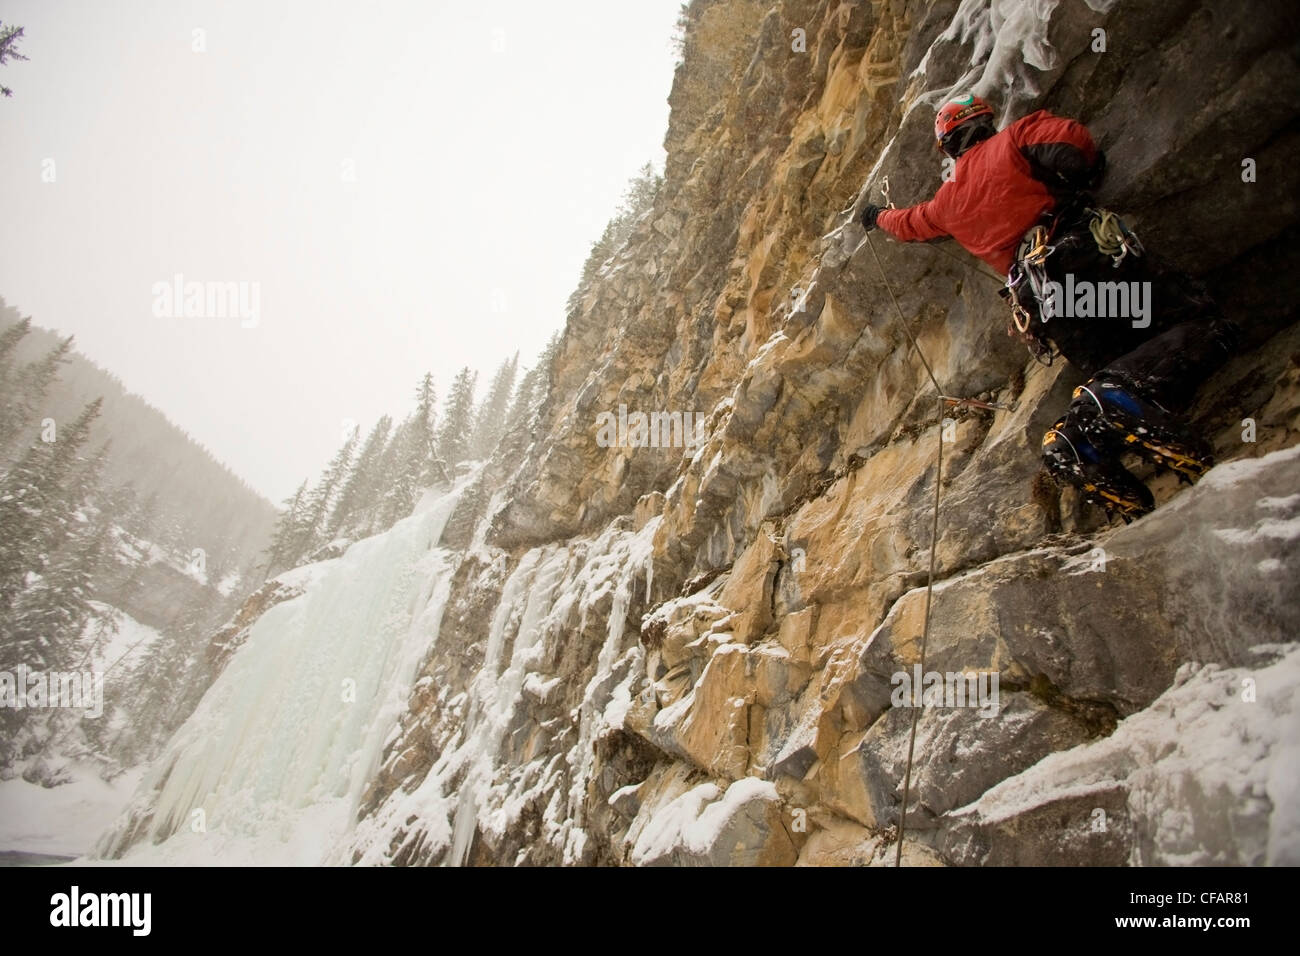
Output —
(490, 143)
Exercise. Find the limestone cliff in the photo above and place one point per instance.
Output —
(686, 655)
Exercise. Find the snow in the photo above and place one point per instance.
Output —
(495, 694)
(695, 820)
(306, 575)
(1010, 57)
(63, 820)
(1005, 36)
(275, 758)
(1267, 528)
(669, 717)
(672, 825)
(1205, 766)
(478, 545)
(124, 648)
(1248, 470)
(472, 786)
(620, 699)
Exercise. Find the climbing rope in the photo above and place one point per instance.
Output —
(934, 549)
(939, 247)
(879, 265)
(1113, 238)
(1106, 232)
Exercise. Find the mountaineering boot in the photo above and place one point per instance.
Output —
(1110, 410)
(1072, 458)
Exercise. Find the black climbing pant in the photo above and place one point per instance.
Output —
(1169, 337)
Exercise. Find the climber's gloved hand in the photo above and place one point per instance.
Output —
(868, 217)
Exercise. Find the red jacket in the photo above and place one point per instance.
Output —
(1000, 187)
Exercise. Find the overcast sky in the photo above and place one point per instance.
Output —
(413, 185)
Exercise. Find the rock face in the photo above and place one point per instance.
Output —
(1205, 776)
(668, 655)
(232, 635)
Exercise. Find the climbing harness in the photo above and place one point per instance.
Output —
(1028, 273)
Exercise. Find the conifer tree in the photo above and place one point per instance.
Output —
(424, 465)
(36, 510)
(322, 497)
(48, 617)
(287, 539)
(24, 390)
(528, 399)
(9, 339)
(458, 419)
(490, 419)
(361, 483)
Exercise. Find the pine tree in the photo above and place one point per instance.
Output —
(458, 419)
(35, 377)
(286, 545)
(36, 511)
(321, 500)
(641, 192)
(379, 513)
(362, 480)
(413, 463)
(25, 390)
(142, 520)
(123, 504)
(9, 37)
(406, 469)
(639, 196)
(528, 400)
(83, 487)
(47, 618)
(518, 429)
(423, 463)
(48, 570)
(9, 339)
(490, 420)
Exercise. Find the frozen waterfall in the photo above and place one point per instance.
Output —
(271, 766)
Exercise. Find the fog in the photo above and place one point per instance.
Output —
(398, 187)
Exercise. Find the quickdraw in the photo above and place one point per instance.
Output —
(1022, 319)
(1039, 248)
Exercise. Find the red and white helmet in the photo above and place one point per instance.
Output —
(957, 112)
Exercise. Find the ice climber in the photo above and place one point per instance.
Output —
(1077, 278)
